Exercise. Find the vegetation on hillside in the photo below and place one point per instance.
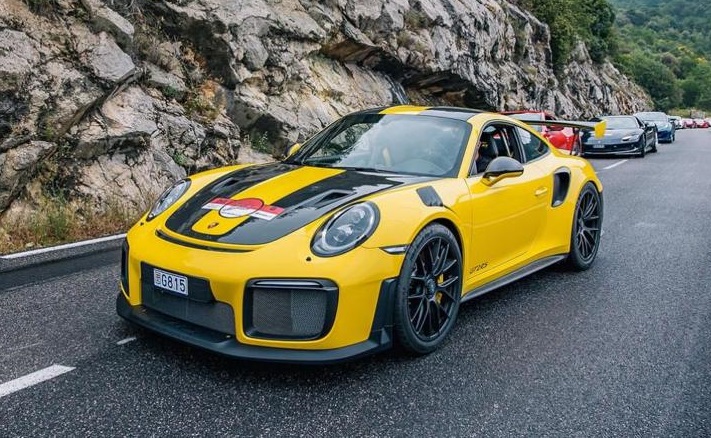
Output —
(591, 21)
(665, 46)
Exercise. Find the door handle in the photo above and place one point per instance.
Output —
(541, 191)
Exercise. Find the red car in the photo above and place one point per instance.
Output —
(689, 123)
(566, 139)
(701, 123)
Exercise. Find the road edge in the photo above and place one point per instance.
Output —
(26, 259)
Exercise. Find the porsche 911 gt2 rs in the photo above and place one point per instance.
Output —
(372, 232)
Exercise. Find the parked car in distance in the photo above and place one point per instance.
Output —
(666, 133)
(676, 121)
(688, 123)
(565, 139)
(624, 135)
(701, 123)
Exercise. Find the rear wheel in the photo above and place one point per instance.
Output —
(587, 229)
(429, 290)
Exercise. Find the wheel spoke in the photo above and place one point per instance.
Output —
(421, 311)
(589, 208)
(433, 253)
(449, 266)
(428, 306)
(438, 265)
(436, 312)
(448, 282)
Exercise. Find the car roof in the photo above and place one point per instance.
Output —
(437, 111)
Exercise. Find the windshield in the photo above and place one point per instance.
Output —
(419, 145)
(621, 122)
(529, 117)
(652, 117)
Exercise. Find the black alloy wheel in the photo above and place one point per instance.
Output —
(587, 229)
(429, 290)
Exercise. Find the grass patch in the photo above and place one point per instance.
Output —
(59, 221)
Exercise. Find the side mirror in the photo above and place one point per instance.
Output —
(501, 168)
(293, 149)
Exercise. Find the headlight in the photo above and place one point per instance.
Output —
(346, 230)
(168, 198)
(631, 138)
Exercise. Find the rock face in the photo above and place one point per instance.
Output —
(116, 99)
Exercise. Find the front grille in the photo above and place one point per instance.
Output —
(199, 308)
(289, 309)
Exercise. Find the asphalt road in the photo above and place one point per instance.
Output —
(623, 349)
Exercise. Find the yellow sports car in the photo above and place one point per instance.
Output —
(370, 233)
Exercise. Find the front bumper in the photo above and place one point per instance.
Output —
(612, 149)
(225, 344)
(228, 316)
(664, 136)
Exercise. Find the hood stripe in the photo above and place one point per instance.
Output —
(225, 187)
(315, 192)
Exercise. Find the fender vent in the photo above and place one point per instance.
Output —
(561, 185)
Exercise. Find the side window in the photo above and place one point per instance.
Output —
(495, 141)
(532, 146)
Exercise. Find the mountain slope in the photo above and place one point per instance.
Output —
(665, 46)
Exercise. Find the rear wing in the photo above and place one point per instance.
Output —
(598, 127)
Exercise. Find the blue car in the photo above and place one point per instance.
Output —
(666, 131)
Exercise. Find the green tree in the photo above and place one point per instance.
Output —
(658, 79)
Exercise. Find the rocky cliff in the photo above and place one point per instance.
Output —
(112, 100)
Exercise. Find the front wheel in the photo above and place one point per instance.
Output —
(643, 148)
(429, 290)
(587, 229)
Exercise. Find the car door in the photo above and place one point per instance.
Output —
(506, 216)
(648, 132)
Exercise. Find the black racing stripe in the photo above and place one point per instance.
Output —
(227, 186)
(308, 204)
(429, 197)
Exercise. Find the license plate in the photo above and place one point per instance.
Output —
(599, 146)
(171, 282)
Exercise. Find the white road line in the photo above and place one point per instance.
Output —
(32, 379)
(126, 341)
(60, 247)
(611, 166)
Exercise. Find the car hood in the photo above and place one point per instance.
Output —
(611, 136)
(665, 125)
(259, 204)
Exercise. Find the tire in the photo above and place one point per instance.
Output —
(429, 290)
(586, 230)
(643, 151)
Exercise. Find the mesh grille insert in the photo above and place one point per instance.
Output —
(289, 312)
(289, 309)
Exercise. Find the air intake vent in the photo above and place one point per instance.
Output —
(290, 309)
